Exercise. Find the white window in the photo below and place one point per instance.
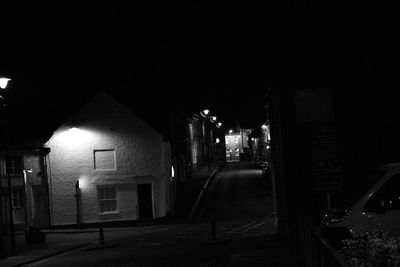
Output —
(107, 198)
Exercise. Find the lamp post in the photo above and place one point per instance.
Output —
(205, 113)
(3, 85)
(78, 208)
(25, 183)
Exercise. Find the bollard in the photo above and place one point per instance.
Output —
(101, 235)
(213, 230)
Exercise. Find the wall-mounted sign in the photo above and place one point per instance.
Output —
(327, 173)
(313, 105)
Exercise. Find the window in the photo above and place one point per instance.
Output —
(17, 198)
(104, 159)
(14, 165)
(385, 198)
(107, 198)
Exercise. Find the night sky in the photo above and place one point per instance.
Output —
(221, 55)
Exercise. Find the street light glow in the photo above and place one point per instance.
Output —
(219, 124)
(205, 112)
(83, 182)
(73, 138)
(4, 82)
(230, 131)
(214, 118)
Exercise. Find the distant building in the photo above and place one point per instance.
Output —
(260, 147)
(27, 170)
(237, 142)
(119, 166)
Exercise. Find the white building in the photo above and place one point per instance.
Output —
(122, 165)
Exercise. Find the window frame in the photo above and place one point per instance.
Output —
(15, 164)
(17, 196)
(101, 200)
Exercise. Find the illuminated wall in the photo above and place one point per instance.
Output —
(105, 144)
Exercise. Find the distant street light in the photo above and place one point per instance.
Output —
(214, 118)
(219, 124)
(205, 112)
(230, 131)
(3, 85)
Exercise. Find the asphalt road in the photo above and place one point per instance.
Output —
(238, 201)
(238, 193)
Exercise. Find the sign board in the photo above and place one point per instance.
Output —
(313, 105)
(327, 173)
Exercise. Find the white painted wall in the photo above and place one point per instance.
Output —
(140, 157)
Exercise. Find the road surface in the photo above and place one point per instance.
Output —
(238, 201)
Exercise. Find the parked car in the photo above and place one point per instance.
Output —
(377, 208)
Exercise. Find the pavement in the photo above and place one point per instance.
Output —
(249, 250)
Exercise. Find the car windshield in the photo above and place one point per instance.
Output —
(363, 189)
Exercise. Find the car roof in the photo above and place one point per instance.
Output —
(394, 165)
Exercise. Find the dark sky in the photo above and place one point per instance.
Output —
(220, 55)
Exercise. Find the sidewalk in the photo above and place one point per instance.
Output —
(58, 241)
(30, 253)
(190, 190)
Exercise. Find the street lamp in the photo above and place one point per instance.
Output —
(78, 202)
(205, 112)
(3, 84)
(25, 183)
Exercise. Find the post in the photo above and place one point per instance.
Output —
(10, 207)
(208, 146)
(78, 210)
(25, 204)
(101, 234)
(213, 230)
(328, 200)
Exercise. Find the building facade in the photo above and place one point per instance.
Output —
(106, 164)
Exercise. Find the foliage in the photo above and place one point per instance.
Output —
(372, 249)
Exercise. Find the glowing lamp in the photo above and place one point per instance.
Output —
(214, 118)
(4, 82)
(74, 137)
(219, 124)
(205, 112)
(83, 183)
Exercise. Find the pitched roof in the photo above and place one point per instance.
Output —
(34, 128)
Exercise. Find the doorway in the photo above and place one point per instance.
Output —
(145, 201)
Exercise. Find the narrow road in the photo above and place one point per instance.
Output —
(238, 201)
(238, 196)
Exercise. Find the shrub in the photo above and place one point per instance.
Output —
(372, 249)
